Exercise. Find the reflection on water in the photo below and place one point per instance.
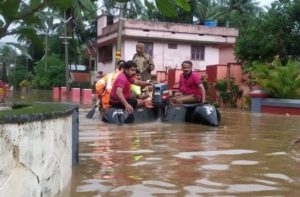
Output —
(248, 155)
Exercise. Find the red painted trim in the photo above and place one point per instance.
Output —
(280, 110)
(259, 95)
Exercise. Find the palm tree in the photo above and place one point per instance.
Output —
(240, 12)
(133, 8)
(207, 10)
(23, 15)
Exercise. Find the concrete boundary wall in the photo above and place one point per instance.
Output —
(281, 106)
(36, 156)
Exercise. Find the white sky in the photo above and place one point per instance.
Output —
(265, 2)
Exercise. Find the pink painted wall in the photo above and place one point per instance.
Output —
(226, 55)
(221, 71)
(236, 72)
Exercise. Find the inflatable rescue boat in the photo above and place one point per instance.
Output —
(200, 113)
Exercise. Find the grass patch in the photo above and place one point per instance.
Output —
(24, 112)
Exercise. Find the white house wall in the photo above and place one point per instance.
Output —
(129, 49)
(108, 66)
(164, 57)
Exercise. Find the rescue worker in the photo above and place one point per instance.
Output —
(104, 85)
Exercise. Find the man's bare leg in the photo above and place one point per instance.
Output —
(185, 99)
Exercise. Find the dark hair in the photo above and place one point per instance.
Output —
(129, 64)
(187, 62)
(137, 72)
(120, 64)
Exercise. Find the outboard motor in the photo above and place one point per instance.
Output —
(206, 114)
(160, 94)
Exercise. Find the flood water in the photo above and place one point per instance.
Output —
(248, 155)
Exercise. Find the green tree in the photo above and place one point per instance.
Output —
(19, 74)
(23, 14)
(135, 8)
(54, 76)
(276, 32)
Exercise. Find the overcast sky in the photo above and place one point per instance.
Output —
(265, 2)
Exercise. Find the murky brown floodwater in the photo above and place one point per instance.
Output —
(248, 155)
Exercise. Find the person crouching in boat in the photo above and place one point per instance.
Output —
(191, 89)
(138, 91)
(120, 96)
(104, 85)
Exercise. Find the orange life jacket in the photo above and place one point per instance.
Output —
(104, 86)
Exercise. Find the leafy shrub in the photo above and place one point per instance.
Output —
(229, 91)
(277, 79)
(53, 76)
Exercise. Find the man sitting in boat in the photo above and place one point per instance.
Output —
(104, 85)
(191, 89)
(120, 96)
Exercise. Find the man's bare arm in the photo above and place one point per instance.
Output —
(142, 83)
(202, 89)
(120, 95)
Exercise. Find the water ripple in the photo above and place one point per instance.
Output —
(277, 153)
(142, 190)
(215, 167)
(92, 186)
(207, 182)
(278, 176)
(244, 162)
(189, 155)
(238, 188)
(135, 151)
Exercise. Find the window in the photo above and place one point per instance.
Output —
(172, 46)
(110, 20)
(105, 53)
(198, 52)
(148, 47)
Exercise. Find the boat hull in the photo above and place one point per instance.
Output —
(196, 113)
(139, 115)
(205, 114)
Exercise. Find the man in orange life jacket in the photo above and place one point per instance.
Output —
(104, 85)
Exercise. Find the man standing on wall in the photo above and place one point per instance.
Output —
(143, 61)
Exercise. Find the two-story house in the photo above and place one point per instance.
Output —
(168, 43)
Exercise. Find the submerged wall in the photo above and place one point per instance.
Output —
(36, 153)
